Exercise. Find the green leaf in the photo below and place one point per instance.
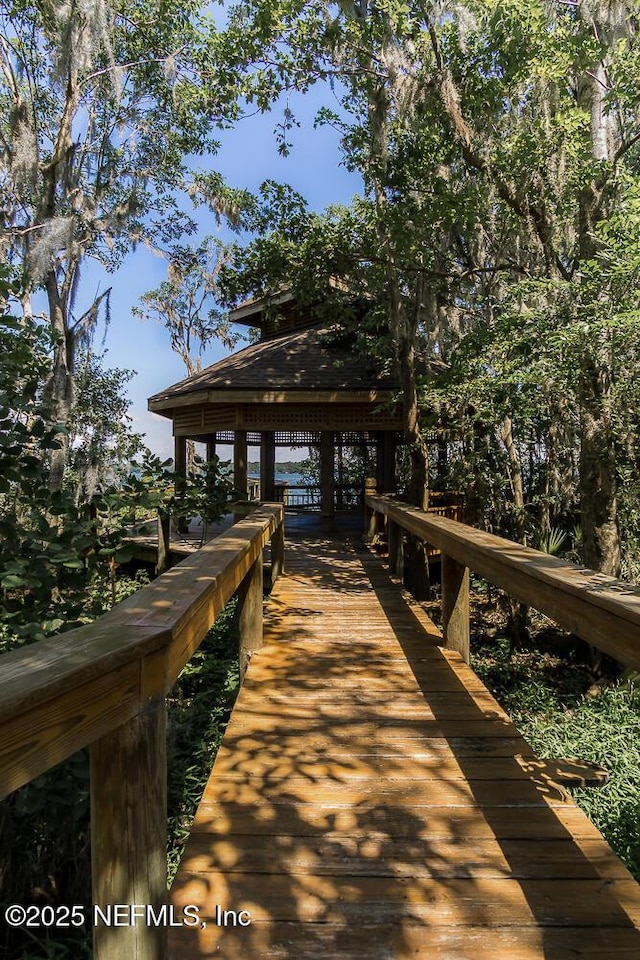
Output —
(12, 581)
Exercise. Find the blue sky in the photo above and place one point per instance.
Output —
(248, 156)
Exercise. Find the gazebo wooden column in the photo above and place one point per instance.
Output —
(327, 468)
(180, 456)
(267, 465)
(240, 464)
(379, 461)
(210, 457)
(389, 462)
(386, 461)
(180, 468)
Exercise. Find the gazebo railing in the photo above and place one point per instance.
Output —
(308, 496)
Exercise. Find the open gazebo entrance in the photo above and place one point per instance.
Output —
(333, 492)
(300, 384)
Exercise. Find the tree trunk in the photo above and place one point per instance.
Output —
(551, 479)
(515, 478)
(403, 329)
(598, 500)
(517, 613)
(417, 563)
(59, 389)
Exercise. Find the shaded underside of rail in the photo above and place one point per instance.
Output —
(371, 799)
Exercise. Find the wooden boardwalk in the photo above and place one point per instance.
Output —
(372, 800)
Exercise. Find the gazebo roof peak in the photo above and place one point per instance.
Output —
(258, 311)
(250, 312)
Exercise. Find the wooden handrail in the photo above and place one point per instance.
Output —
(104, 685)
(60, 694)
(600, 609)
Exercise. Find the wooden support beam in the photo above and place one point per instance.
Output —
(277, 553)
(240, 464)
(370, 516)
(395, 540)
(379, 479)
(267, 465)
(180, 456)
(339, 492)
(455, 606)
(250, 601)
(180, 468)
(211, 479)
(129, 833)
(327, 468)
(164, 542)
(389, 462)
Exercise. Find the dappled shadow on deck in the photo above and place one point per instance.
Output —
(371, 799)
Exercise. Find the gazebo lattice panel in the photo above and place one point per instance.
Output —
(228, 436)
(307, 417)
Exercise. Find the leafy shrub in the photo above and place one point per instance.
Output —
(552, 702)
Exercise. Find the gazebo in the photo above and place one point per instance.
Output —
(299, 384)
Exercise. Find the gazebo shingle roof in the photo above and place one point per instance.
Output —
(304, 360)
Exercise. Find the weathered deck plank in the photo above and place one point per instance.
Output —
(372, 800)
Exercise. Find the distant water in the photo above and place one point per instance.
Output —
(290, 478)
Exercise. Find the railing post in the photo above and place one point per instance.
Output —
(164, 542)
(455, 606)
(129, 833)
(250, 599)
(277, 553)
(370, 516)
(395, 542)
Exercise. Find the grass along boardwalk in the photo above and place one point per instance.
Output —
(372, 800)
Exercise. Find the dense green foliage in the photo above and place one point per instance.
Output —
(495, 248)
(551, 699)
(62, 555)
(60, 549)
(55, 551)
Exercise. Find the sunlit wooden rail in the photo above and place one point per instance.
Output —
(371, 799)
(104, 686)
(600, 609)
(440, 505)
